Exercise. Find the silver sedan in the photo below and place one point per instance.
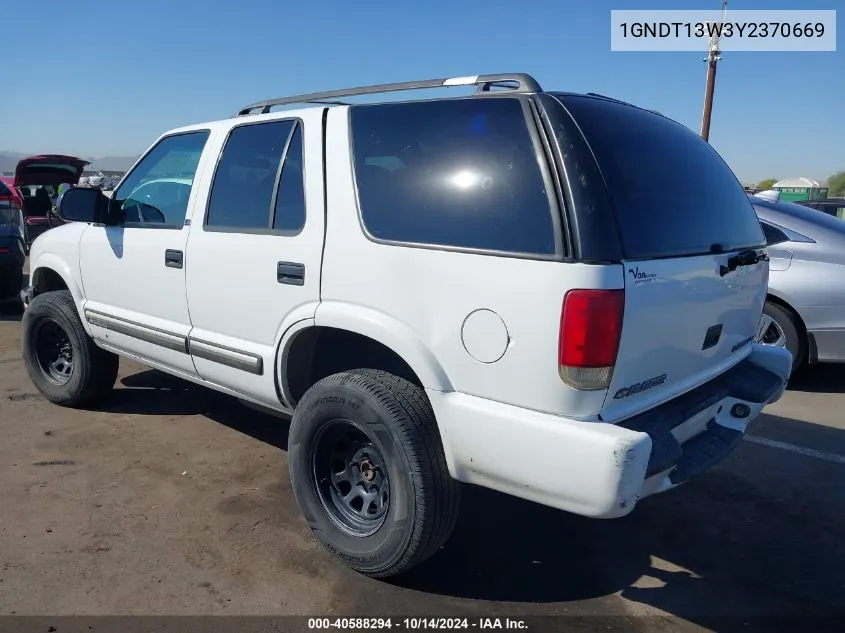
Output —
(805, 304)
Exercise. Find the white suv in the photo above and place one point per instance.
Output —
(548, 294)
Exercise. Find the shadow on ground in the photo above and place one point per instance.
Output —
(827, 378)
(759, 535)
(10, 311)
(153, 392)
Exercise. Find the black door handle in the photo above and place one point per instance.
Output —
(173, 259)
(290, 273)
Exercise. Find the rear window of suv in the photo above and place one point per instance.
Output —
(672, 193)
(455, 173)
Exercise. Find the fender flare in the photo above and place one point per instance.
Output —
(378, 326)
(54, 263)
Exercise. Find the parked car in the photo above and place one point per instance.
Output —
(510, 289)
(12, 244)
(805, 306)
(11, 191)
(38, 178)
(831, 206)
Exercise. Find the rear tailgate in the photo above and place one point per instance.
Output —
(695, 281)
(684, 323)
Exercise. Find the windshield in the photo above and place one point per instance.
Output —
(672, 193)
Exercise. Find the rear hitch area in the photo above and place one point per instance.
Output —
(699, 429)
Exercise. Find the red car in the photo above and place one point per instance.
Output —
(36, 180)
(9, 193)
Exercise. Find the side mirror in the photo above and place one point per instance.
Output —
(82, 204)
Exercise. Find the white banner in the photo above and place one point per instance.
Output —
(741, 30)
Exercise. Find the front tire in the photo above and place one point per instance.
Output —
(369, 472)
(62, 361)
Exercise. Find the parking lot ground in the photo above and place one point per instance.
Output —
(172, 499)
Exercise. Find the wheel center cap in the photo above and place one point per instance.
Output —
(367, 471)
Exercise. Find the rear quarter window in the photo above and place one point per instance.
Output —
(773, 234)
(672, 193)
(456, 173)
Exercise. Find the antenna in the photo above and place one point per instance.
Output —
(712, 59)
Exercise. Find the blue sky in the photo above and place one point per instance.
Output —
(97, 78)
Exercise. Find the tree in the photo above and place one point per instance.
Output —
(767, 183)
(836, 185)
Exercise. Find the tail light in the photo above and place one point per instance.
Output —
(590, 328)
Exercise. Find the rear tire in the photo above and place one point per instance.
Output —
(784, 327)
(62, 361)
(369, 472)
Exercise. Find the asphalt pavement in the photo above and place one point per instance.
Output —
(173, 499)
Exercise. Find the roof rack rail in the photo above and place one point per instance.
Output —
(524, 83)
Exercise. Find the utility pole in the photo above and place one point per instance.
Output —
(713, 57)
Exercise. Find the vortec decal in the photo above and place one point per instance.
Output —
(742, 344)
(639, 387)
(641, 277)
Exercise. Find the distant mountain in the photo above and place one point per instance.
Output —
(9, 160)
(112, 163)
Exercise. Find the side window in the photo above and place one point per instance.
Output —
(457, 173)
(773, 235)
(157, 190)
(245, 183)
(289, 213)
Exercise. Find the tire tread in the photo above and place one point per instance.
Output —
(437, 499)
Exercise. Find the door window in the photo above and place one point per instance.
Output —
(258, 186)
(156, 192)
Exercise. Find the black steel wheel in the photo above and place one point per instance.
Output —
(53, 351)
(351, 477)
(62, 361)
(369, 471)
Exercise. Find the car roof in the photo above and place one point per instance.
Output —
(798, 217)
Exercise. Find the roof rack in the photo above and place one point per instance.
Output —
(524, 83)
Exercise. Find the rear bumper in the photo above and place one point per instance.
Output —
(602, 470)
